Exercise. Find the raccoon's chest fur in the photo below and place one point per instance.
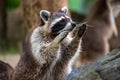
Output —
(38, 40)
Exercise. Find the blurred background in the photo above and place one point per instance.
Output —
(18, 16)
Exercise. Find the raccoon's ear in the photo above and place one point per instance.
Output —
(64, 9)
(44, 14)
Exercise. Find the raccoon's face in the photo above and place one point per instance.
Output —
(56, 21)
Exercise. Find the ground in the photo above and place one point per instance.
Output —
(11, 59)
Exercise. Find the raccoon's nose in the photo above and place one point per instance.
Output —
(73, 24)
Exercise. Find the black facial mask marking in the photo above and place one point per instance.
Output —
(59, 26)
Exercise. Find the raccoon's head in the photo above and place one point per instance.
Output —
(56, 21)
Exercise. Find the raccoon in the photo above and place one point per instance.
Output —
(49, 47)
(96, 39)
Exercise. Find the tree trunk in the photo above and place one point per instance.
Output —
(31, 10)
(3, 27)
(105, 68)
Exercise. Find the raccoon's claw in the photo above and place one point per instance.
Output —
(82, 29)
(79, 29)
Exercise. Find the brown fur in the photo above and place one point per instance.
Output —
(25, 61)
(95, 40)
(6, 71)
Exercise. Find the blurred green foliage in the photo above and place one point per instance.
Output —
(74, 5)
(85, 6)
(80, 6)
(10, 48)
(11, 4)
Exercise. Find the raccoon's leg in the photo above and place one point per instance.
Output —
(48, 54)
(75, 45)
(70, 49)
(67, 51)
(49, 51)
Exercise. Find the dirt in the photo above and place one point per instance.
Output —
(11, 59)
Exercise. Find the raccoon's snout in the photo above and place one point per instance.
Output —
(73, 24)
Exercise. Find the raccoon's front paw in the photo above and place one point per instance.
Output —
(82, 29)
(79, 30)
(68, 27)
(61, 36)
